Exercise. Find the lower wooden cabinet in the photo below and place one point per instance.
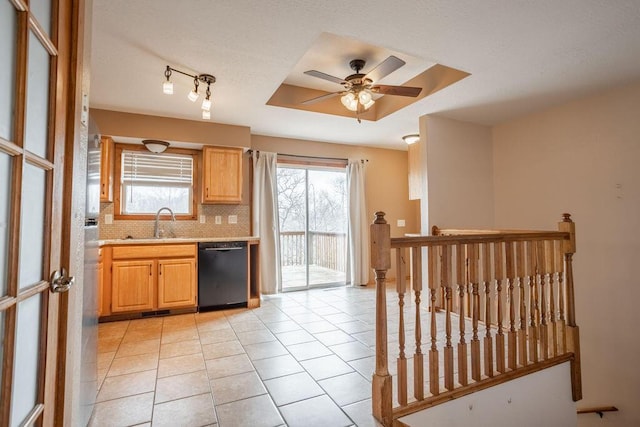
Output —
(143, 278)
(132, 284)
(177, 280)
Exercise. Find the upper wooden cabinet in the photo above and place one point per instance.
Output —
(106, 169)
(222, 175)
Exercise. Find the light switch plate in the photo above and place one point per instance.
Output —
(108, 219)
(233, 219)
(401, 223)
(218, 219)
(203, 219)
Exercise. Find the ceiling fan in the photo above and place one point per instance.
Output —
(359, 88)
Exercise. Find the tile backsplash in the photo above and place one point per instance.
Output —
(139, 229)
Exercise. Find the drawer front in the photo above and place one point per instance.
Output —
(154, 251)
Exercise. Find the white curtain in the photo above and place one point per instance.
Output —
(265, 219)
(358, 232)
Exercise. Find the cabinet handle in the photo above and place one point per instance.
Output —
(159, 270)
(150, 270)
(206, 190)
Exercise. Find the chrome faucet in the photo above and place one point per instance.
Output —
(156, 230)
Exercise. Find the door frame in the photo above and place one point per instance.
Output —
(69, 345)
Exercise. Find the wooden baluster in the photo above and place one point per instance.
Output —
(551, 249)
(573, 332)
(461, 271)
(401, 281)
(434, 280)
(488, 280)
(532, 270)
(511, 277)
(522, 331)
(475, 343)
(498, 256)
(382, 405)
(418, 358)
(544, 269)
(559, 261)
(448, 349)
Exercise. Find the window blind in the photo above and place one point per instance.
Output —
(150, 168)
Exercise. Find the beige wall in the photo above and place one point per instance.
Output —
(459, 167)
(115, 123)
(583, 158)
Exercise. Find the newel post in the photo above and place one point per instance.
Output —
(381, 262)
(573, 333)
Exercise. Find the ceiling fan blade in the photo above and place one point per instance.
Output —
(324, 76)
(320, 98)
(385, 68)
(396, 90)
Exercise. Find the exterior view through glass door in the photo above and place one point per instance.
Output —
(312, 210)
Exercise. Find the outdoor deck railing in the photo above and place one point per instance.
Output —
(499, 305)
(326, 249)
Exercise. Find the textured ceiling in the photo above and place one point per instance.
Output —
(522, 56)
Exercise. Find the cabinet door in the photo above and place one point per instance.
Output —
(106, 169)
(132, 286)
(100, 286)
(177, 283)
(222, 176)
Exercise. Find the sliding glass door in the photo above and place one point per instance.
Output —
(312, 207)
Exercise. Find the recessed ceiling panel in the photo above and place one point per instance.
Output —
(331, 54)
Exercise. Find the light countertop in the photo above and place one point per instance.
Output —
(161, 241)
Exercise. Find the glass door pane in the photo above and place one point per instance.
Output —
(5, 211)
(292, 213)
(313, 225)
(327, 227)
(8, 26)
(26, 368)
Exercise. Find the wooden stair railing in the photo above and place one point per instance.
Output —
(498, 305)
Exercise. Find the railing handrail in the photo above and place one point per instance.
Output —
(512, 291)
(484, 237)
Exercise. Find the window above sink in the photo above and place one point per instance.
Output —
(147, 181)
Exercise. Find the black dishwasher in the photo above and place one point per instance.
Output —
(222, 275)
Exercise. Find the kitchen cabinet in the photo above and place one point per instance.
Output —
(177, 280)
(222, 175)
(106, 168)
(132, 285)
(148, 278)
(100, 280)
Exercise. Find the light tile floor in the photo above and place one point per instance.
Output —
(301, 359)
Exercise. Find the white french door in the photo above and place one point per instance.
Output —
(32, 110)
(312, 208)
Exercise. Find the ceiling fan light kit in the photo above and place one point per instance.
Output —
(359, 88)
(193, 95)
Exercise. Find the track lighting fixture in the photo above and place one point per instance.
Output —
(208, 79)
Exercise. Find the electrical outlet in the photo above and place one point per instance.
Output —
(203, 219)
(218, 219)
(108, 219)
(401, 223)
(233, 219)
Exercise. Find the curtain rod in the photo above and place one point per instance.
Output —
(310, 157)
